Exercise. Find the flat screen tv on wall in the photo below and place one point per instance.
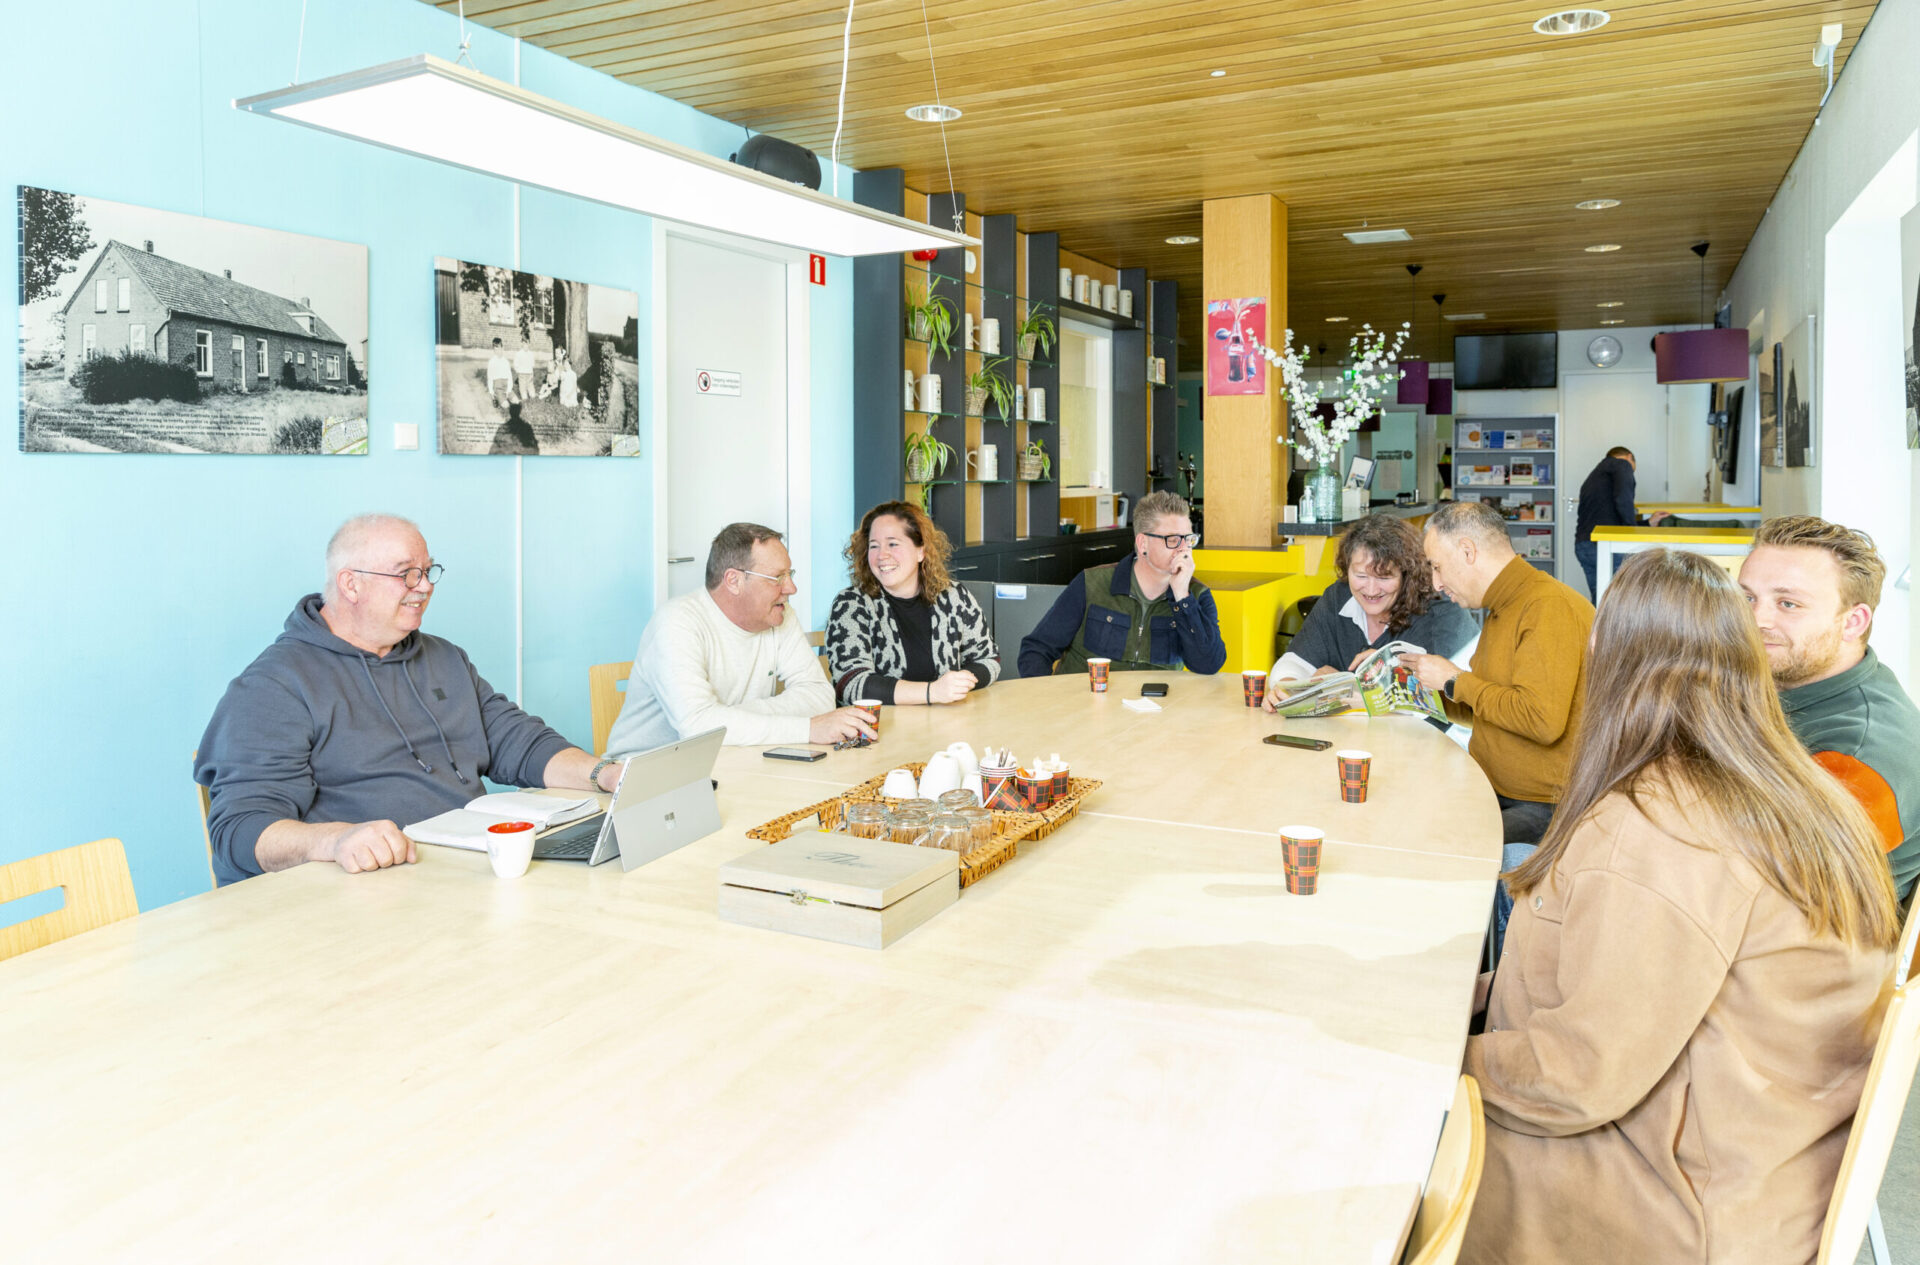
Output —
(1506, 362)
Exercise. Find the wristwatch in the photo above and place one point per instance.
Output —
(1447, 689)
(593, 778)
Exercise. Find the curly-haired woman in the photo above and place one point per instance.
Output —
(903, 632)
(1385, 593)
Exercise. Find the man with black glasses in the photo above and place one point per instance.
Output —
(354, 720)
(1146, 612)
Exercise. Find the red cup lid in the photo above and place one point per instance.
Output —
(509, 827)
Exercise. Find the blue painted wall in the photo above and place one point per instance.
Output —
(137, 586)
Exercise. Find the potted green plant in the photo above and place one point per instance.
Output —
(989, 380)
(930, 320)
(1034, 462)
(1036, 329)
(927, 457)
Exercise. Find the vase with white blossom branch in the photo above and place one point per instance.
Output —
(1373, 363)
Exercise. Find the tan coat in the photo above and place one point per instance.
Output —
(1671, 1062)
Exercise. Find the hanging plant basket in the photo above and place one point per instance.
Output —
(919, 466)
(1027, 344)
(976, 401)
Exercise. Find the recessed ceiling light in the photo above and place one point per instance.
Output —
(1612, 303)
(1465, 316)
(932, 113)
(1615, 321)
(1605, 248)
(1336, 320)
(1216, 74)
(1182, 239)
(1368, 237)
(1573, 22)
(1597, 204)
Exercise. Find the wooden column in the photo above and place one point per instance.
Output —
(1245, 240)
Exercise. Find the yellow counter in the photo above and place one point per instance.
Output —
(1727, 546)
(1253, 587)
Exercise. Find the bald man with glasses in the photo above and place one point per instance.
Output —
(1144, 613)
(354, 721)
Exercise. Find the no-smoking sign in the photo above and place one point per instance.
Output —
(716, 381)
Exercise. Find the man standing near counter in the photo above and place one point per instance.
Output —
(1606, 500)
(1525, 690)
(1144, 613)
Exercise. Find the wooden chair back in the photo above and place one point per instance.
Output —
(606, 686)
(1856, 1191)
(205, 797)
(1440, 1225)
(99, 890)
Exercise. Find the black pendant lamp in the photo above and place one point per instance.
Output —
(1413, 373)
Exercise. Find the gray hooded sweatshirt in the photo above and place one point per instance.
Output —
(318, 730)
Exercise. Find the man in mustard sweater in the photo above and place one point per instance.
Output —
(1528, 682)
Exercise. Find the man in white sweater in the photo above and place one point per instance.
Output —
(713, 658)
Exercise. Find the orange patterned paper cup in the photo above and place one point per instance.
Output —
(1354, 766)
(1097, 674)
(1253, 683)
(1300, 853)
(871, 706)
(1000, 788)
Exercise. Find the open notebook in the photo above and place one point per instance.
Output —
(467, 827)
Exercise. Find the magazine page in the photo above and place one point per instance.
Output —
(1331, 695)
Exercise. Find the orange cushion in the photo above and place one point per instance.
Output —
(1871, 790)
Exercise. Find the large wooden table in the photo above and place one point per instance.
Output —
(1129, 1044)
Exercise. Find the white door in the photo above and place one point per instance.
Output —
(726, 398)
(1602, 410)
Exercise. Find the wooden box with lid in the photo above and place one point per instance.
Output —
(863, 892)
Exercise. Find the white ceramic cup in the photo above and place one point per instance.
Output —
(899, 785)
(909, 387)
(974, 783)
(1110, 297)
(929, 392)
(1126, 303)
(1066, 283)
(990, 334)
(511, 851)
(963, 755)
(1080, 283)
(1036, 404)
(941, 775)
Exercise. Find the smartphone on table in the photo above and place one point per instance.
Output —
(1288, 740)
(806, 755)
(1154, 689)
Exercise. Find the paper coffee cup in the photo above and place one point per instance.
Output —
(1354, 768)
(871, 706)
(1300, 854)
(1253, 684)
(1097, 674)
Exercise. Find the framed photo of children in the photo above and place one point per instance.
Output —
(156, 332)
(1236, 330)
(535, 366)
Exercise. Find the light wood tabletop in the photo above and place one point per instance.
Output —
(1128, 1044)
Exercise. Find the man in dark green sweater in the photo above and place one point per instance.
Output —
(1813, 586)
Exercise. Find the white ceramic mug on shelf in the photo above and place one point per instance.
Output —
(990, 335)
(930, 392)
(1080, 283)
(985, 461)
(1126, 303)
(909, 395)
(1036, 404)
(1110, 297)
(1066, 283)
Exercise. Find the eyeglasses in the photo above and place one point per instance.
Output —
(1174, 542)
(791, 573)
(411, 577)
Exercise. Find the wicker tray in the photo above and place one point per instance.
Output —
(1009, 829)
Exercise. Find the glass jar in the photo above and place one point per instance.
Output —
(865, 821)
(954, 801)
(952, 832)
(908, 825)
(927, 806)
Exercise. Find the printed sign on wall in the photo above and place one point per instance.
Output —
(1236, 329)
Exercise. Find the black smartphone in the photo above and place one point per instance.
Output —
(1154, 689)
(804, 754)
(1288, 740)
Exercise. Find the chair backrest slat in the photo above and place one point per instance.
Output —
(1440, 1224)
(99, 890)
(605, 683)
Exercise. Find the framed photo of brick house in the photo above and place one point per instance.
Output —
(532, 365)
(151, 331)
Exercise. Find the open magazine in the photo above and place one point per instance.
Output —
(1380, 685)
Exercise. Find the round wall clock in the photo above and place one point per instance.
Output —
(1604, 351)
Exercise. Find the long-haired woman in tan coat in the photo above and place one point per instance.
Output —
(1700, 954)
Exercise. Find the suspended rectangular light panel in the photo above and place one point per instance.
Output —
(434, 109)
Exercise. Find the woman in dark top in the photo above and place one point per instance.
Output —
(904, 632)
(1385, 593)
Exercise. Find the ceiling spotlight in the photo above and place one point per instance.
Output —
(1369, 237)
(1612, 303)
(1336, 320)
(1216, 74)
(1829, 40)
(932, 113)
(1614, 321)
(1605, 248)
(1573, 22)
(1597, 204)
(1466, 316)
(1182, 239)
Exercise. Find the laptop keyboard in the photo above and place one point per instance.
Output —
(571, 842)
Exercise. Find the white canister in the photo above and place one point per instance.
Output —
(990, 335)
(1019, 404)
(909, 398)
(1036, 404)
(1080, 283)
(969, 331)
(1110, 297)
(1066, 283)
(1126, 303)
(930, 392)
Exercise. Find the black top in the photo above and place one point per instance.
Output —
(1606, 499)
(913, 617)
(1330, 639)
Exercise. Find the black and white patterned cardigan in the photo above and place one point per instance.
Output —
(863, 640)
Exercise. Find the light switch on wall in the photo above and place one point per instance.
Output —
(406, 436)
